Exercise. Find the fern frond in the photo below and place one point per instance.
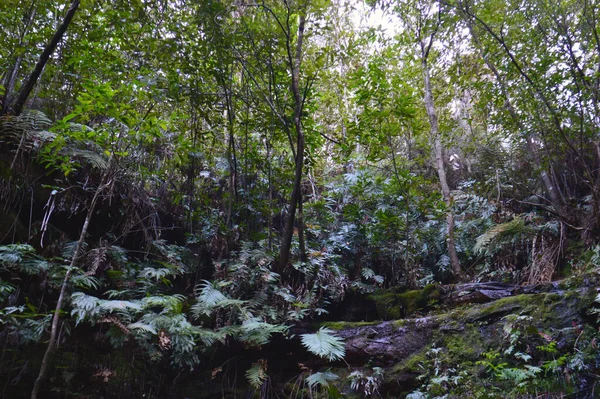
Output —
(210, 295)
(325, 344)
(68, 249)
(85, 281)
(96, 258)
(170, 303)
(257, 332)
(84, 306)
(160, 273)
(117, 305)
(499, 232)
(5, 290)
(95, 159)
(142, 326)
(321, 378)
(257, 374)
(210, 298)
(23, 258)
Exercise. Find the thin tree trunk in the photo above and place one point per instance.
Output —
(11, 76)
(286, 243)
(63, 290)
(531, 145)
(301, 240)
(29, 84)
(439, 162)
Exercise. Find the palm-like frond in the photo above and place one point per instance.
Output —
(325, 344)
(211, 298)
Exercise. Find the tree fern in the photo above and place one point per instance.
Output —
(325, 344)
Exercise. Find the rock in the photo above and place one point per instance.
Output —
(464, 333)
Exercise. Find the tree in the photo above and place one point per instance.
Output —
(16, 107)
(423, 19)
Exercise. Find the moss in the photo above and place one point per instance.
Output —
(114, 274)
(411, 364)
(399, 323)
(499, 307)
(342, 325)
(467, 344)
(392, 305)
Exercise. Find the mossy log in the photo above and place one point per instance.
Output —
(464, 332)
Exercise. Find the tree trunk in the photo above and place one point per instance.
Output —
(286, 243)
(29, 84)
(439, 162)
(11, 76)
(533, 148)
(301, 241)
(63, 290)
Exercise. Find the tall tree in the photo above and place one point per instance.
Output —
(423, 19)
(16, 107)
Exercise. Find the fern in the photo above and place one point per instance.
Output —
(257, 374)
(5, 290)
(84, 306)
(160, 273)
(27, 130)
(96, 159)
(68, 249)
(325, 344)
(257, 333)
(492, 239)
(170, 303)
(85, 281)
(211, 298)
(142, 326)
(22, 258)
(321, 378)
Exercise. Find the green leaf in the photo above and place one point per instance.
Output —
(257, 374)
(325, 344)
(321, 378)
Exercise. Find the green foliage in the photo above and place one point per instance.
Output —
(188, 105)
(22, 258)
(321, 379)
(325, 344)
(366, 383)
(256, 375)
(500, 235)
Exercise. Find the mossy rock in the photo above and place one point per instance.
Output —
(462, 336)
(393, 305)
(343, 325)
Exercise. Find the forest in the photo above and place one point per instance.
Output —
(300, 199)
